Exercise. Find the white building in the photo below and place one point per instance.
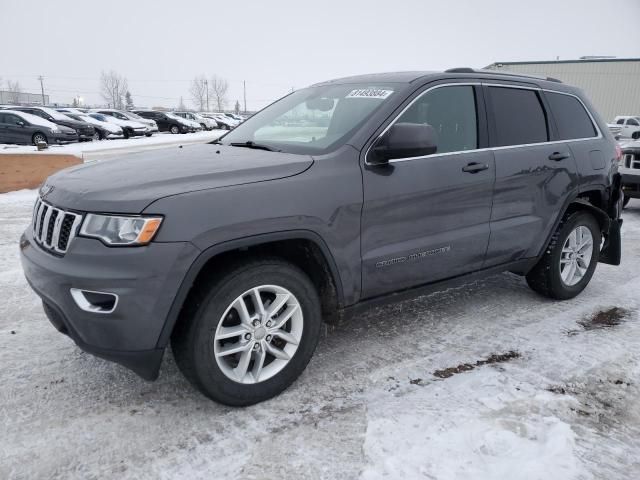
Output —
(612, 84)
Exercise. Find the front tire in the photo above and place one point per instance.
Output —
(39, 137)
(569, 261)
(174, 129)
(246, 335)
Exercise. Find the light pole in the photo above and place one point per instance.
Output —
(41, 78)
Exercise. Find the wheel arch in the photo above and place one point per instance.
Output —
(592, 200)
(303, 248)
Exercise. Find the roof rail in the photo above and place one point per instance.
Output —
(496, 72)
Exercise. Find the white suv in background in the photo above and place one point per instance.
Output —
(629, 126)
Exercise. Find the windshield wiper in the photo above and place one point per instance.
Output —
(252, 144)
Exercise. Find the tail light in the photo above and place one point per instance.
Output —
(619, 155)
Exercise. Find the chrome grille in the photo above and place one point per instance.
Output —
(631, 160)
(53, 228)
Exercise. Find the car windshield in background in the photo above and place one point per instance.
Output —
(55, 114)
(312, 120)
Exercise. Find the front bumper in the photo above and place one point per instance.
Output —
(631, 184)
(61, 138)
(145, 279)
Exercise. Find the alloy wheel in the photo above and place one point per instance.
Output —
(576, 255)
(258, 334)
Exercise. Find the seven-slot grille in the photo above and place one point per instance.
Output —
(53, 228)
(631, 160)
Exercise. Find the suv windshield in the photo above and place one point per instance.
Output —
(312, 120)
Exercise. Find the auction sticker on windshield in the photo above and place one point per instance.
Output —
(369, 93)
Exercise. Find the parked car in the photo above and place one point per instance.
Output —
(224, 123)
(166, 122)
(204, 122)
(630, 170)
(194, 126)
(629, 126)
(127, 115)
(129, 127)
(104, 130)
(24, 128)
(84, 130)
(236, 251)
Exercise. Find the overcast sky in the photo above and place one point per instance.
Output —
(276, 45)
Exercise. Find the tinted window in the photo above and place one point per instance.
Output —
(451, 111)
(620, 122)
(518, 117)
(12, 119)
(571, 118)
(633, 122)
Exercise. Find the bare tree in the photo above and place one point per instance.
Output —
(198, 91)
(219, 87)
(14, 91)
(113, 88)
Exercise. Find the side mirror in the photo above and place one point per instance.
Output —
(20, 123)
(404, 140)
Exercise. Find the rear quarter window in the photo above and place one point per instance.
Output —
(571, 118)
(518, 117)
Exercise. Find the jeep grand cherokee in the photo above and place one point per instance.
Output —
(338, 196)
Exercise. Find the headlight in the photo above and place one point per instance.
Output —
(117, 230)
(55, 130)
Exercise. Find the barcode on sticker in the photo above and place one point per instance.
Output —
(369, 93)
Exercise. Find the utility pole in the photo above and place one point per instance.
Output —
(244, 88)
(41, 78)
(206, 87)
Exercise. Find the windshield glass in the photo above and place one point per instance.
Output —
(312, 120)
(55, 114)
(99, 116)
(133, 116)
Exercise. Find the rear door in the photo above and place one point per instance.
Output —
(427, 218)
(535, 173)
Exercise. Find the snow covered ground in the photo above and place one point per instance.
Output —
(486, 381)
(100, 149)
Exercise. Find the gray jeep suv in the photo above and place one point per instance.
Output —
(339, 196)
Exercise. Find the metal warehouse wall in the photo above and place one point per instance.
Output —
(613, 86)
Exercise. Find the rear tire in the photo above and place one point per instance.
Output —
(214, 309)
(39, 137)
(635, 135)
(549, 276)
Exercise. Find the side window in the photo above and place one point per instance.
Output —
(12, 119)
(2, 118)
(571, 118)
(518, 117)
(620, 122)
(451, 111)
(633, 122)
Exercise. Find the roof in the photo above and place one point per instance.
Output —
(463, 72)
(584, 60)
(387, 77)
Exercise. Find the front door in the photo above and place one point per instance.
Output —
(427, 218)
(7, 132)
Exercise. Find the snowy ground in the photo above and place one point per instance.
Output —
(101, 149)
(368, 406)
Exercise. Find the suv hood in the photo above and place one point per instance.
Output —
(129, 184)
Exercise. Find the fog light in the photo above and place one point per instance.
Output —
(94, 302)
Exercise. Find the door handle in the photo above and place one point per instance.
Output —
(558, 156)
(475, 167)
